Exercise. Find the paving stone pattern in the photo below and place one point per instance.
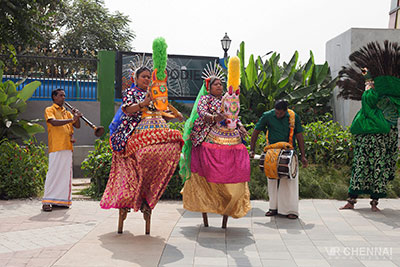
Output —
(85, 235)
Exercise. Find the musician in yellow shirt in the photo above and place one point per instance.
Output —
(60, 123)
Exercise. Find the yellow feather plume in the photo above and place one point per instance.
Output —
(234, 72)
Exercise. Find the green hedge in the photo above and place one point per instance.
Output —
(328, 143)
(97, 166)
(22, 169)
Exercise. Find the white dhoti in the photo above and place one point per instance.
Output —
(57, 188)
(284, 195)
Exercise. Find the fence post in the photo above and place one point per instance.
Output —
(106, 79)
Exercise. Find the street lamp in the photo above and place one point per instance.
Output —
(226, 43)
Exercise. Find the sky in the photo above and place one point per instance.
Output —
(283, 26)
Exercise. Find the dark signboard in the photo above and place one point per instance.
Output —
(184, 72)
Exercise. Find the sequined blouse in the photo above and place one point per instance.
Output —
(129, 122)
(208, 105)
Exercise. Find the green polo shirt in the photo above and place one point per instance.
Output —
(278, 129)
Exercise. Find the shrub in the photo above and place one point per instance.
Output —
(261, 141)
(13, 104)
(324, 181)
(22, 169)
(177, 125)
(328, 143)
(97, 166)
(258, 182)
(393, 187)
(174, 187)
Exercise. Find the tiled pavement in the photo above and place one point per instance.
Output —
(85, 235)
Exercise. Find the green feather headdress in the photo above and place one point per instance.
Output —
(160, 57)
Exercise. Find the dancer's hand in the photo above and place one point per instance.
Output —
(146, 100)
(304, 161)
(219, 117)
(252, 154)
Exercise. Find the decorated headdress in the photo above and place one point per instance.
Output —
(211, 72)
(369, 62)
(138, 62)
(158, 88)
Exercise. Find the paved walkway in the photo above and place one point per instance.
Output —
(85, 235)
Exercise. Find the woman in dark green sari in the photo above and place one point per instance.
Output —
(375, 125)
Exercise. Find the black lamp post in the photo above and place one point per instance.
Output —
(226, 43)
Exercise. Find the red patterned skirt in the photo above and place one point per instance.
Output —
(143, 170)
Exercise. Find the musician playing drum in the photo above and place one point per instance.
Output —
(283, 193)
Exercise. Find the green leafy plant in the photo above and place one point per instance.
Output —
(174, 187)
(307, 88)
(328, 143)
(258, 182)
(324, 181)
(12, 104)
(261, 141)
(183, 108)
(22, 169)
(177, 126)
(97, 166)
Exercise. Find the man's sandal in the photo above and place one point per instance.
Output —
(292, 216)
(47, 207)
(271, 213)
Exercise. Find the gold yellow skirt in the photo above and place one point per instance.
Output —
(225, 199)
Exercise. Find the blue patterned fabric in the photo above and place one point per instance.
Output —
(116, 120)
(127, 122)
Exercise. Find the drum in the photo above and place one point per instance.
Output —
(288, 164)
(279, 163)
(261, 161)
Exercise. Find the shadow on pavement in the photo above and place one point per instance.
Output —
(143, 250)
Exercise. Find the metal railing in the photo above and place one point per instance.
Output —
(76, 75)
